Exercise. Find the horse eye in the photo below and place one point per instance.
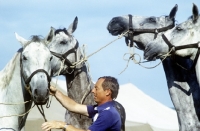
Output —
(152, 19)
(24, 58)
(179, 28)
(51, 58)
(62, 42)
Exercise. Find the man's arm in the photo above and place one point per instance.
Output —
(68, 103)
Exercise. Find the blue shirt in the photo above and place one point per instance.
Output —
(105, 117)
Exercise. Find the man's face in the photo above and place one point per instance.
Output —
(99, 93)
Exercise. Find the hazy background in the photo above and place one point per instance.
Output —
(34, 17)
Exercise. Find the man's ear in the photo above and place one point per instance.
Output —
(108, 92)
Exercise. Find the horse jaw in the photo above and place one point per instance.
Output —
(153, 52)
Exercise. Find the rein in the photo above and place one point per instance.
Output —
(131, 31)
(175, 48)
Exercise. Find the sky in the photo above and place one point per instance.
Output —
(35, 17)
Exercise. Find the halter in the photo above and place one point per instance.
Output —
(64, 56)
(131, 31)
(175, 48)
(27, 81)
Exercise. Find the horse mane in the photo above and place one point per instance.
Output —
(6, 73)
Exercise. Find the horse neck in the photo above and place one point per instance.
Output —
(10, 74)
(79, 84)
(11, 92)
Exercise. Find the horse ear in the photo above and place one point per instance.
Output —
(195, 12)
(21, 40)
(172, 14)
(50, 35)
(73, 26)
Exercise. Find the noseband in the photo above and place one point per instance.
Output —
(27, 81)
(64, 56)
(131, 31)
(175, 48)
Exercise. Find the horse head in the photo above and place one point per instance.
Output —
(144, 29)
(183, 34)
(63, 46)
(35, 68)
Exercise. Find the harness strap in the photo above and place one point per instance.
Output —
(167, 42)
(130, 33)
(39, 70)
(194, 45)
(132, 30)
(64, 56)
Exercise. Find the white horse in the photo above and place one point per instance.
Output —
(183, 41)
(64, 46)
(25, 78)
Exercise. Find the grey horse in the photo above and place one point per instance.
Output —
(184, 42)
(182, 84)
(65, 47)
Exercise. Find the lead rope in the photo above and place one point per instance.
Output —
(42, 112)
(89, 76)
(61, 67)
(132, 57)
(85, 58)
(18, 114)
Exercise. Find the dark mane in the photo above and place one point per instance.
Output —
(61, 30)
(36, 38)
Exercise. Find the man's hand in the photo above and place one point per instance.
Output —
(47, 126)
(52, 90)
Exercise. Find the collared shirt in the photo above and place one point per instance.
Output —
(105, 117)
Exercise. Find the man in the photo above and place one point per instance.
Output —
(104, 114)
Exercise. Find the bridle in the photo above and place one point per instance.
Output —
(131, 31)
(27, 81)
(175, 48)
(64, 56)
(28, 87)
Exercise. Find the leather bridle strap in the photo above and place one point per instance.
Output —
(132, 30)
(64, 56)
(130, 33)
(27, 81)
(194, 45)
(35, 72)
(168, 43)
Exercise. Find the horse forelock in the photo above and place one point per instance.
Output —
(7, 72)
(36, 38)
(61, 30)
